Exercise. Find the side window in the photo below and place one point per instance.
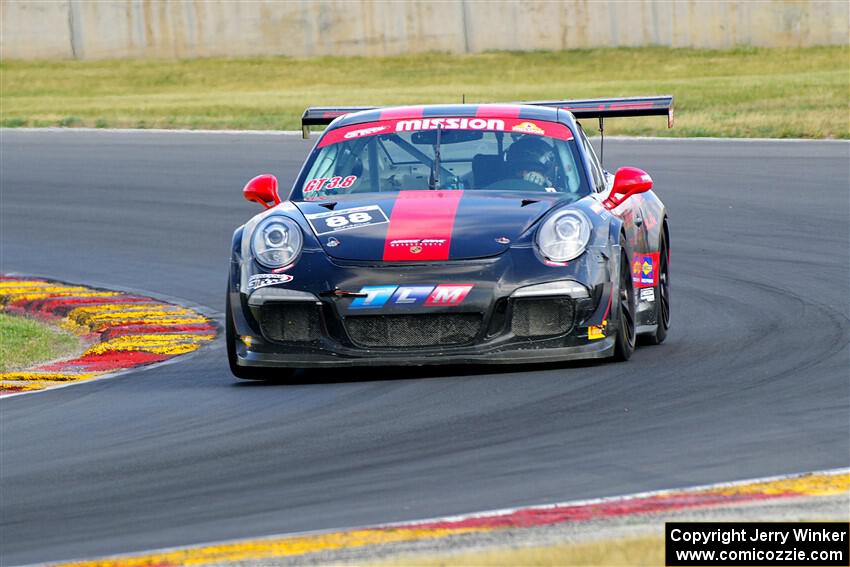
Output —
(595, 168)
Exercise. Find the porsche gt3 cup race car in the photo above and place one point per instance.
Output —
(447, 234)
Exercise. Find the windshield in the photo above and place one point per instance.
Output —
(472, 154)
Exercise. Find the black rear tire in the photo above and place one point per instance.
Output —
(246, 372)
(626, 330)
(662, 294)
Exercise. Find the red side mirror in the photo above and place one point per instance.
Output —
(262, 189)
(628, 181)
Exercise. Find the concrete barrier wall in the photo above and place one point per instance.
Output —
(90, 29)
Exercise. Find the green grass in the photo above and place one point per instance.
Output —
(25, 342)
(740, 92)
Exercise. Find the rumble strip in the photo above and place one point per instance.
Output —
(126, 330)
(263, 550)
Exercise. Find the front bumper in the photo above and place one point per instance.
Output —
(280, 327)
(504, 319)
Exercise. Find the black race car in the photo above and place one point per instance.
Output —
(446, 234)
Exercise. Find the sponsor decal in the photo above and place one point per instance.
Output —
(377, 296)
(263, 280)
(554, 264)
(408, 120)
(411, 295)
(364, 132)
(346, 219)
(529, 128)
(329, 183)
(644, 269)
(550, 190)
(450, 124)
(595, 332)
(416, 245)
(333, 242)
(503, 240)
(647, 294)
(418, 242)
(448, 294)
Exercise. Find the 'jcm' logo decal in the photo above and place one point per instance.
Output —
(428, 295)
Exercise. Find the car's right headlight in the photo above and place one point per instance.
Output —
(564, 235)
(276, 242)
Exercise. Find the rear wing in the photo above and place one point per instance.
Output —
(586, 108)
(615, 107)
(324, 115)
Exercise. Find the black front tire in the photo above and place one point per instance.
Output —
(626, 330)
(245, 372)
(662, 294)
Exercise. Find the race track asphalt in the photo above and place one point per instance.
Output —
(752, 381)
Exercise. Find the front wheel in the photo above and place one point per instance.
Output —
(626, 335)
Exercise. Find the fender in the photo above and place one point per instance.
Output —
(654, 216)
(235, 258)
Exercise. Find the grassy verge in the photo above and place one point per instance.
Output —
(25, 342)
(741, 92)
(628, 551)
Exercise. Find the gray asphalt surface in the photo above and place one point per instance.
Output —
(752, 381)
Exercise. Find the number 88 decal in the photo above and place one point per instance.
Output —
(341, 220)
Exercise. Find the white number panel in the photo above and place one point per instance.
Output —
(345, 219)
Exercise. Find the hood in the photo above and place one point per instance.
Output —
(421, 226)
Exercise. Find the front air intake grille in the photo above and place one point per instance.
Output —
(290, 322)
(412, 331)
(542, 317)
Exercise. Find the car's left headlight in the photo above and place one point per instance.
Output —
(277, 241)
(564, 235)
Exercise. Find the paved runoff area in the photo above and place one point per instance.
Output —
(125, 330)
(811, 496)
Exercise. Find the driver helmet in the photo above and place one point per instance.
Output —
(532, 159)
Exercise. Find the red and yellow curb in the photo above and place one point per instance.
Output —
(126, 330)
(813, 484)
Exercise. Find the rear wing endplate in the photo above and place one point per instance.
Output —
(324, 115)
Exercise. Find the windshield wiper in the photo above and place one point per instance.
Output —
(434, 180)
